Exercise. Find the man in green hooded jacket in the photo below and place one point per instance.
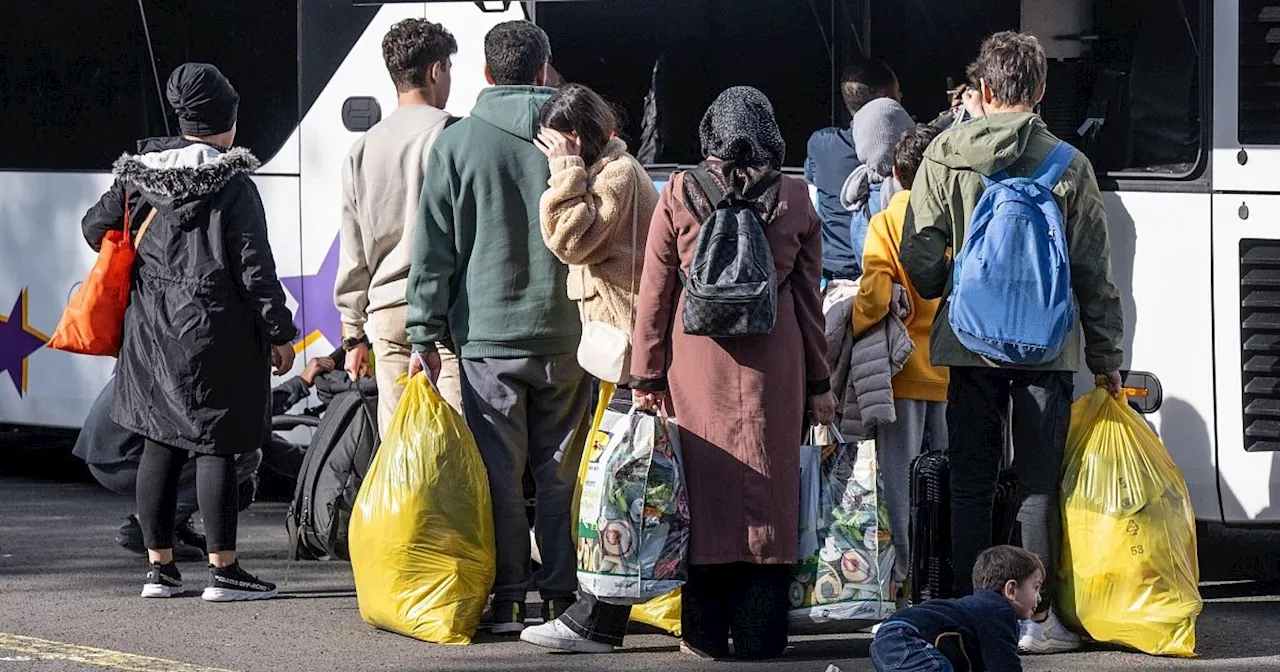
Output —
(481, 274)
(1007, 135)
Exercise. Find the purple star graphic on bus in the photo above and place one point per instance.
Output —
(317, 315)
(18, 340)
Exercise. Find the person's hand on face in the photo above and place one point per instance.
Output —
(555, 144)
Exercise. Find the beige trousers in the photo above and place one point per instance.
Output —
(391, 352)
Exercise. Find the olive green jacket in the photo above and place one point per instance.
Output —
(946, 191)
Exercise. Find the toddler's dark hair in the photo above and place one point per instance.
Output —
(999, 565)
(909, 153)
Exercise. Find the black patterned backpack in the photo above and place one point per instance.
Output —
(732, 288)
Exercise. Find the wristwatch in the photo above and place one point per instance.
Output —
(351, 342)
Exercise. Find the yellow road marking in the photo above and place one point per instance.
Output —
(44, 649)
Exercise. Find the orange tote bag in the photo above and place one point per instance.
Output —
(93, 323)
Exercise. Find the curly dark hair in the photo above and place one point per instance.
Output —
(515, 51)
(411, 47)
(909, 153)
(1013, 66)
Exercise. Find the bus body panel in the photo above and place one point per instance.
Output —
(1168, 320)
(1239, 166)
(1250, 481)
(48, 257)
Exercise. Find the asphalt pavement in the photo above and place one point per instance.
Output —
(69, 602)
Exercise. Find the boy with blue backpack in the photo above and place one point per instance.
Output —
(1021, 215)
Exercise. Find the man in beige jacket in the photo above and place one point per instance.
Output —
(381, 184)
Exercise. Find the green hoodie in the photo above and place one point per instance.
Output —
(946, 191)
(480, 272)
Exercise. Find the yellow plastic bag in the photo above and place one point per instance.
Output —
(1129, 575)
(664, 612)
(422, 545)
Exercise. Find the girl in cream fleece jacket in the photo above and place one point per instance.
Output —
(597, 193)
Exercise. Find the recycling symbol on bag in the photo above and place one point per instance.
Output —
(1132, 528)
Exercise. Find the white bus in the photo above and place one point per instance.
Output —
(1177, 102)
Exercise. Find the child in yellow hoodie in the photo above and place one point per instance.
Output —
(919, 389)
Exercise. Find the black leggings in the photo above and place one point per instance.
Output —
(158, 475)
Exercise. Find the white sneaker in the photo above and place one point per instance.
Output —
(1051, 636)
(558, 636)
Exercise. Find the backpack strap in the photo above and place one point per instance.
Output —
(715, 195)
(762, 185)
(1051, 171)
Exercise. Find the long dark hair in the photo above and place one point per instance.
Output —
(577, 109)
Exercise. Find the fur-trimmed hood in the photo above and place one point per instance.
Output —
(176, 172)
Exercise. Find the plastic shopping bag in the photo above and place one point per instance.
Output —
(633, 522)
(422, 544)
(1130, 574)
(847, 584)
(810, 497)
(662, 612)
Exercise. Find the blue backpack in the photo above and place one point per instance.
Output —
(1011, 299)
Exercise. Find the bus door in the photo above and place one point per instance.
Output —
(1246, 256)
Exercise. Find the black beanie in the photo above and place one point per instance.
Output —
(205, 101)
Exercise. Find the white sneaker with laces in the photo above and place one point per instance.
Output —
(558, 636)
(1049, 636)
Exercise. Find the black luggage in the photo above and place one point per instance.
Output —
(332, 471)
(930, 530)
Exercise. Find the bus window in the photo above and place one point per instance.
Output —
(254, 43)
(78, 87)
(1259, 120)
(664, 61)
(1124, 77)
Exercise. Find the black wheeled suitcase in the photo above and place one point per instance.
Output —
(930, 527)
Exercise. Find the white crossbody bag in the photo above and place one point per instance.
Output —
(605, 350)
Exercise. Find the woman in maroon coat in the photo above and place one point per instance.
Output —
(740, 402)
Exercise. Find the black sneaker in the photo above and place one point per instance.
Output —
(233, 584)
(186, 534)
(555, 607)
(508, 618)
(129, 537)
(162, 581)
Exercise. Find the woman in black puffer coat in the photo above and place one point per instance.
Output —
(206, 317)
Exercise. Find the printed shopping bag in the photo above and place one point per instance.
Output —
(663, 612)
(847, 583)
(633, 529)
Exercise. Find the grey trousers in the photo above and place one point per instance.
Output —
(897, 445)
(530, 411)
